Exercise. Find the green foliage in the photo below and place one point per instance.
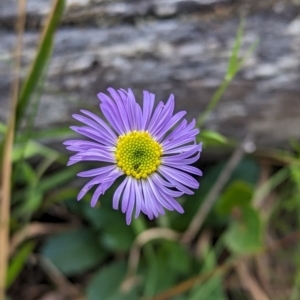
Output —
(112, 234)
(106, 283)
(234, 65)
(247, 171)
(212, 138)
(95, 252)
(239, 193)
(173, 262)
(75, 251)
(273, 182)
(211, 289)
(244, 234)
(113, 240)
(295, 175)
(42, 56)
(18, 261)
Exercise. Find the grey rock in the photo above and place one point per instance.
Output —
(179, 47)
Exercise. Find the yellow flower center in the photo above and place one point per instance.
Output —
(138, 154)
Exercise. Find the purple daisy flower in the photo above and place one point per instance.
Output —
(146, 145)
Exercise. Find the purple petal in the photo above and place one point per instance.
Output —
(183, 149)
(157, 195)
(180, 177)
(96, 195)
(126, 196)
(164, 188)
(101, 190)
(180, 161)
(189, 169)
(122, 109)
(155, 116)
(82, 145)
(93, 154)
(92, 134)
(112, 118)
(149, 207)
(99, 121)
(164, 118)
(118, 193)
(131, 202)
(148, 103)
(178, 142)
(176, 118)
(165, 193)
(96, 172)
(139, 197)
(175, 182)
(109, 175)
(102, 131)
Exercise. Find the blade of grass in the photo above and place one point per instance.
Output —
(233, 61)
(17, 262)
(37, 68)
(201, 214)
(270, 185)
(33, 148)
(7, 150)
(34, 104)
(42, 55)
(234, 65)
(139, 226)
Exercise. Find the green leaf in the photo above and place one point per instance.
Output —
(176, 257)
(28, 173)
(238, 194)
(3, 128)
(17, 262)
(245, 234)
(43, 53)
(248, 170)
(61, 195)
(38, 66)
(173, 262)
(268, 186)
(233, 61)
(58, 178)
(101, 217)
(295, 175)
(33, 199)
(117, 237)
(114, 234)
(106, 284)
(32, 149)
(293, 142)
(234, 65)
(75, 251)
(212, 138)
(211, 289)
(53, 133)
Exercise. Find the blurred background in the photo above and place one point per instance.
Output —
(234, 66)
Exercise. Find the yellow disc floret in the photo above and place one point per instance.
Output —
(138, 154)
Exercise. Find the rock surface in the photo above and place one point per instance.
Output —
(167, 46)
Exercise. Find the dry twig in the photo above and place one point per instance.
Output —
(62, 283)
(228, 265)
(33, 230)
(249, 282)
(143, 238)
(139, 242)
(201, 214)
(7, 151)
